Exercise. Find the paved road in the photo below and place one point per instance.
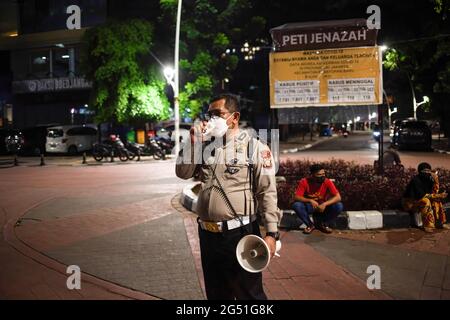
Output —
(358, 141)
(361, 148)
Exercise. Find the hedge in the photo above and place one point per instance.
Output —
(359, 186)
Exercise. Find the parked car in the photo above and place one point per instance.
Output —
(35, 139)
(8, 137)
(411, 134)
(325, 130)
(70, 139)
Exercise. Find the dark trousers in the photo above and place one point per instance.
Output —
(303, 210)
(224, 278)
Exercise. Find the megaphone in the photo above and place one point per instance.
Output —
(253, 253)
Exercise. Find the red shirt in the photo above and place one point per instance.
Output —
(312, 190)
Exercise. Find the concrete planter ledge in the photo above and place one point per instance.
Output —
(350, 220)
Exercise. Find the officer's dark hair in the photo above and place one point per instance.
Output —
(423, 166)
(315, 168)
(231, 101)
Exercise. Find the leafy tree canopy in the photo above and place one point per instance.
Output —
(208, 28)
(124, 88)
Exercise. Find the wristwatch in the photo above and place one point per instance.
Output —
(275, 235)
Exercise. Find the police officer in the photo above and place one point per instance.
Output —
(238, 181)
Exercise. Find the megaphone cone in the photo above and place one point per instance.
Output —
(253, 253)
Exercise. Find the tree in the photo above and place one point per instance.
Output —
(124, 88)
(425, 60)
(208, 29)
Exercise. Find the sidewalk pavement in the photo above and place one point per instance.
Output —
(126, 230)
(417, 264)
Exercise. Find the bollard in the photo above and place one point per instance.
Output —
(84, 158)
(139, 156)
(16, 161)
(112, 155)
(42, 160)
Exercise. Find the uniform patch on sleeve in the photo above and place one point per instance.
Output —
(266, 159)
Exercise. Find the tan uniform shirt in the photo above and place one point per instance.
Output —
(231, 165)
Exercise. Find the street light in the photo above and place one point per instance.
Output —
(169, 74)
(391, 112)
(417, 105)
(355, 121)
(175, 83)
(349, 123)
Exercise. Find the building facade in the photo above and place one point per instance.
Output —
(47, 85)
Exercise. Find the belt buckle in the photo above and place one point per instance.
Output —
(211, 226)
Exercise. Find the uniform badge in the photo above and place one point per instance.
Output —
(266, 159)
(230, 166)
(239, 148)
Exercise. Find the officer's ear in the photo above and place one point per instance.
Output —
(236, 117)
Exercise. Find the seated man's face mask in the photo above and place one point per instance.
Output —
(320, 179)
(217, 127)
(426, 175)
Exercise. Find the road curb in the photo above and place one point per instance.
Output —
(308, 146)
(358, 220)
(441, 151)
(347, 220)
(115, 163)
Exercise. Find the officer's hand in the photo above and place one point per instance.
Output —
(197, 130)
(272, 244)
(444, 195)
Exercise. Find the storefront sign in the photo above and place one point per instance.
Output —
(49, 85)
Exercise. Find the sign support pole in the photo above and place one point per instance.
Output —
(381, 142)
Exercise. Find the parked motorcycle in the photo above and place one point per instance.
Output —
(166, 145)
(14, 143)
(110, 148)
(134, 150)
(152, 148)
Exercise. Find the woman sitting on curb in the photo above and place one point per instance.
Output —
(318, 196)
(422, 195)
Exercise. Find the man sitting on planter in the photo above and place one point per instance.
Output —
(318, 196)
(422, 195)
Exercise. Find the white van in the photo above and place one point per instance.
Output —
(70, 139)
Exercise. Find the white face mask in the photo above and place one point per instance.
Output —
(217, 127)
